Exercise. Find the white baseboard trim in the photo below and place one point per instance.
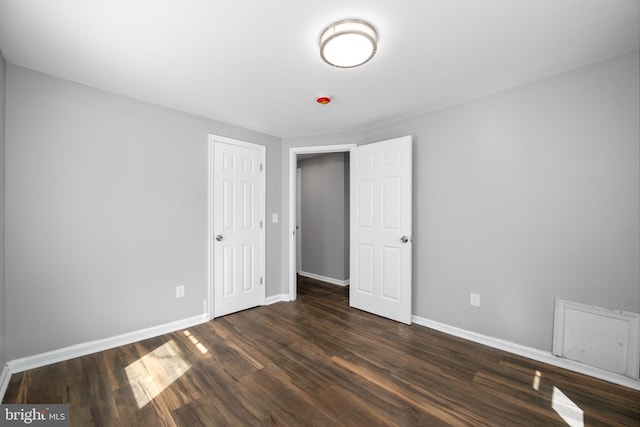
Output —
(331, 280)
(529, 352)
(276, 298)
(77, 350)
(5, 376)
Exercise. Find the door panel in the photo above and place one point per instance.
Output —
(228, 205)
(365, 204)
(228, 269)
(381, 203)
(248, 278)
(390, 268)
(391, 215)
(364, 261)
(238, 220)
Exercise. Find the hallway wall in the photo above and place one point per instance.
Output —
(325, 215)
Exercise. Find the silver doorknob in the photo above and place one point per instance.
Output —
(404, 239)
(219, 237)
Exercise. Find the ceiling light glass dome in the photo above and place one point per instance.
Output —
(348, 43)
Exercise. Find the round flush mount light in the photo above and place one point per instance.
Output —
(348, 43)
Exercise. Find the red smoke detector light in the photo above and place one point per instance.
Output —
(323, 99)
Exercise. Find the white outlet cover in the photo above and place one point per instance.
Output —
(180, 291)
(474, 300)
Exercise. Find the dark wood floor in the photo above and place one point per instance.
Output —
(316, 362)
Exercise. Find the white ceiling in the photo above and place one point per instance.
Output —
(255, 63)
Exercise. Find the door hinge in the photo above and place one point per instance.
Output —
(260, 223)
(261, 280)
(260, 167)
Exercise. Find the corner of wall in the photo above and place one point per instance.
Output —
(2, 209)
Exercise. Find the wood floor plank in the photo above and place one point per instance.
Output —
(316, 362)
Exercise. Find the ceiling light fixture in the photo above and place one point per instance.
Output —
(348, 43)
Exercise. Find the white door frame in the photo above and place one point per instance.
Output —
(211, 231)
(298, 220)
(293, 160)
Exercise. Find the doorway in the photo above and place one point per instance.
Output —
(323, 217)
(381, 240)
(293, 161)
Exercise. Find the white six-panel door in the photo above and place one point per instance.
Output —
(238, 237)
(381, 227)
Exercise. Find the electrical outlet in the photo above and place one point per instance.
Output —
(179, 291)
(474, 300)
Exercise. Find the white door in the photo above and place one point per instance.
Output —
(238, 220)
(381, 242)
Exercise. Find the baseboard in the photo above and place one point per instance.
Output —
(5, 376)
(43, 359)
(331, 280)
(276, 298)
(529, 352)
(66, 353)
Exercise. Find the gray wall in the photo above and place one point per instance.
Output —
(522, 196)
(2, 209)
(325, 221)
(107, 213)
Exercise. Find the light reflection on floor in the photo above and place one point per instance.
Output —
(564, 407)
(196, 342)
(153, 373)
